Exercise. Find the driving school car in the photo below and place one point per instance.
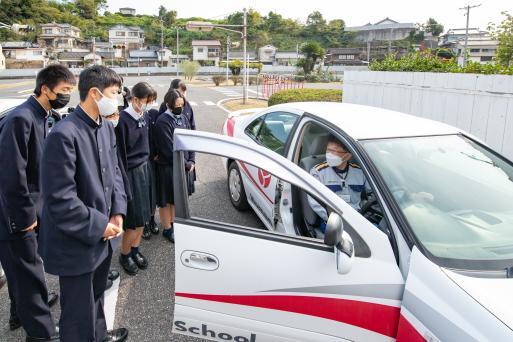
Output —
(428, 257)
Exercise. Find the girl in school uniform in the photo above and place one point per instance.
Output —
(132, 134)
(165, 126)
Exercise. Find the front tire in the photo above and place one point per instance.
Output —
(236, 188)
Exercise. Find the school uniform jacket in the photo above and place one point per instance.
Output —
(22, 133)
(82, 188)
(164, 131)
(187, 110)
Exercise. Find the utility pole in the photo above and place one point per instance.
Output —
(245, 39)
(227, 56)
(467, 8)
(161, 42)
(368, 52)
(177, 50)
(94, 50)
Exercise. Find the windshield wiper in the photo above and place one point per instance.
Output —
(478, 159)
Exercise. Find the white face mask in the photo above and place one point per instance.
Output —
(333, 160)
(106, 106)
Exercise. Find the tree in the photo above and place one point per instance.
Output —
(433, 27)
(504, 34)
(315, 23)
(189, 69)
(312, 52)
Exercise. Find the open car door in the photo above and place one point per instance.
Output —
(236, 283)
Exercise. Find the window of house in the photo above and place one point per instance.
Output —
(475, 50)
(48, 31)
(486, 58)
(200, 50)
(120, 34)
(133, 34)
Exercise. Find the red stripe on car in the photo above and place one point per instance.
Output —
(230, 127)
(246, 171)
(406, 332)
(379, 318)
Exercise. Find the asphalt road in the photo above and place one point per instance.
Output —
(145, 301)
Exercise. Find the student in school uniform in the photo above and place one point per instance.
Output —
(178, 85)
(132, 134)
(151, 228)
(22, 133)
(172, 119)
(84, 205)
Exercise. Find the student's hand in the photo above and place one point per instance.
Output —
(111, 232)
(117, 220)
(31, 227)
(192, 167)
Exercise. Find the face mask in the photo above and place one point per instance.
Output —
(60, 101)
(106, 106)
(333, 160)
(177, 111)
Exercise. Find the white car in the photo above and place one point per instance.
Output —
(8, 104)
(436, 267)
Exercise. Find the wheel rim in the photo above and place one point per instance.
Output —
(235, 185)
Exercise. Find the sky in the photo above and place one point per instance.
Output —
(354, 12)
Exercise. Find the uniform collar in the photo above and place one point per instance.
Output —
(87, 119)
(342, 171)
(131, 111)
(39, 107)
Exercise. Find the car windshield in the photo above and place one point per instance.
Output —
(455, 194)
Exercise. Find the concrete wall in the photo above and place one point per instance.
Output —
(479, 104)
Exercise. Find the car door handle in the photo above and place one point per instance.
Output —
(199, 260)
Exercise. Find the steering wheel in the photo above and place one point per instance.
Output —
(370, 209)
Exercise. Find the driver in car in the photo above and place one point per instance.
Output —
(343, 178)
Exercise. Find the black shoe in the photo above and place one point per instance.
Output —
(116, 335)
(113, 275)
(154, 228)
(169, 234)
(53, 298)
(109, 284)
(128, 264)
(146, 235)
(14, 323)
(140, 260)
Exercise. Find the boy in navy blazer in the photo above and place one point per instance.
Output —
(22, 133)
(84, 207)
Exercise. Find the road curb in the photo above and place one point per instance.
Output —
(220, 102)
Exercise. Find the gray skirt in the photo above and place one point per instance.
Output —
(165, 189)
(139, 208)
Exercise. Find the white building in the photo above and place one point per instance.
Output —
(24, 51)
(266, 54)
(60, 36)
(454, 35)
(480, 49)
(384, 30)
(127, 11)
(206, 50)
(131, 37)
(287, 58)
(2, 59)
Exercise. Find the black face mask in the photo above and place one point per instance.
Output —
(60, 101)
(177, 111)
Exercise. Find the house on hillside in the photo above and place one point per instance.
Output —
(287, 58)
(206, 50)
(343, 56)
(127, 37)
(25, 53)
(266, 54)
(60, 37)
(128, 11)
(384, 30)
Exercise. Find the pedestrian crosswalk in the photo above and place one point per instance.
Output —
(228, 92)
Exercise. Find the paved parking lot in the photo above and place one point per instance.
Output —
(144, 303)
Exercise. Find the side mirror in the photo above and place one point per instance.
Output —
(341, 241)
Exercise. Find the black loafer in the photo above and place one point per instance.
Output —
(113, 275)
(154, 228)
(116, 335)
(53, 298)
(109, 284)
(140, 260)
(14, 323)
(169, 235)
(128, 265)
(55, 338)
(146, 235)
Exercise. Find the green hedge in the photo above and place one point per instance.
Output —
(305, 94)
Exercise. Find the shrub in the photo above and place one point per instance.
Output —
(189, 69)
(217, 79)
(236, 66)
(236, 80)
(305, 95)
(252, 80)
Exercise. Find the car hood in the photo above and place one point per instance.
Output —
(494, 294)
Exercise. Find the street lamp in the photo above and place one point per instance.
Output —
(205, 26)
(177, 28)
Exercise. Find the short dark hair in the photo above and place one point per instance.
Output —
(99, 77)
(333, 140)
(143, 90)
(175, 83)
(182, 86)
(52, 75)
(170, 98)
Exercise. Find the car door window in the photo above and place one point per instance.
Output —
(254, 127)
(275, 129)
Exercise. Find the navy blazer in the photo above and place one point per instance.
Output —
(164, 135)
(22, 134)
(82, 188)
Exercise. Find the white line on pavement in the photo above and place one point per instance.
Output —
(110, 301)
(192, 103)
(26, 91)
(209, 103)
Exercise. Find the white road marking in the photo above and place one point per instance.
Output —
(26, 91)
(252, 91)
(209, 103)
(192, 103)
(110, 301)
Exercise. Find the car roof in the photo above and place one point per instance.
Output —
(366, 122)
(6, 104)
